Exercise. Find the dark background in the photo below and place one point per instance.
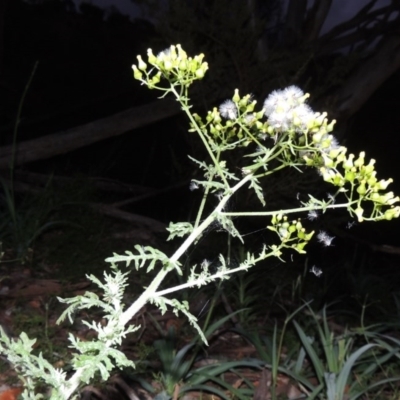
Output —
(85, 53)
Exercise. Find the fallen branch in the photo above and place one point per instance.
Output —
(84, 135)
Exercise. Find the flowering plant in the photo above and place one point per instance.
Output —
(284, 133)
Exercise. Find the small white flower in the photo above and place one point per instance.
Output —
(302, 116)
(316, 271)
(325, 239)
(165, 53)
(228, 109)
(328, 143)
(271, 102)
(312, 215)
(334, 143)
(287, 98)
(193, 186)
(285, 110)
(249, 118)
(293, 94)
(279, 121)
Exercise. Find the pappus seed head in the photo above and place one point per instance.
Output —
(325, 239)
(228, 109)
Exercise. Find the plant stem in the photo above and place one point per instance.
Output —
(15, 131)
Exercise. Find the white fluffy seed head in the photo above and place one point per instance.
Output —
(312, 215)
(325, 239)
(228, 109)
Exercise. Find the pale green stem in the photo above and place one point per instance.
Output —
(75, 380)
(203, 200)
(218, 275)
(15, 132)
(151, 290)
(185, 108)
(289, 211)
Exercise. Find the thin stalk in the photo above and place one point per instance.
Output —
(291, 211)
(186, 108)
(15, 131)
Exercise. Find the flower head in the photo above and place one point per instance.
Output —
(285, 109)
(271, 102)
(228, 109)
(293, 94)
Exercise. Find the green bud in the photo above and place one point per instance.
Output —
(349, 162)
(283, 233)
(321, 118)
(309, 161)
(285, 224)
(168, 65)
(391, 213)
(192, 66)
(338, 180)
(376, 197)
(300, 247)
(334, 153)
(156, 78)
(372, 179)
(349, 176)
(382, 184)
(317, 137)
(236, 97)
(370, 167)
(151, 57)
(362, 189)
(260, 126)
(359, 212)
(330, 127)
(395, 200)
(183, 65)
(216, 116)
(244, 101)
(181, 53)
(360, 161)
(199, 58)
(328, 162)
(250, 107)
(199, 73)
(141, 64)
(309, 236)
(136, 73)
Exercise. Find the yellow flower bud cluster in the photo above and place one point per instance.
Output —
(292, 234)
(234, 121)
(172, 64)
(341, 170)
(363, 179)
